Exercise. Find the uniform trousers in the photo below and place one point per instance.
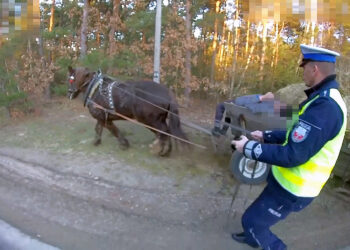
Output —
(273, 204)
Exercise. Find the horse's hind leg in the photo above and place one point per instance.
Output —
(163, 145)
(166, 147)
(98, 130)
(123, 142)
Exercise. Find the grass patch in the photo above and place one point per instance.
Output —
(76, 133)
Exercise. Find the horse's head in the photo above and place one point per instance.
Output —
(78, 79)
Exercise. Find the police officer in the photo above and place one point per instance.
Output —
(302, 157)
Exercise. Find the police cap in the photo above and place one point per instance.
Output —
(317, 54)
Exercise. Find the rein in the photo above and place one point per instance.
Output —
(113, 112)
(183, 121)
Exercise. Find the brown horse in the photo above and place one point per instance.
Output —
(148, 102)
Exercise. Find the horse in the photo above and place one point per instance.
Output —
(109, 99)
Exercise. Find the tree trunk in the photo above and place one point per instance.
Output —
(41, 41)
(234, 63)
(48, 93)
(99, 29)
(249, 58)
(52, 18)
(277, 46)
(247, 41)
(212, 68)
(114, 21)
(313, 26)
(188, 51)
(84, 30)
(158, 27)
(263, 51)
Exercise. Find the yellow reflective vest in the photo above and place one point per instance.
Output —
(307, 179)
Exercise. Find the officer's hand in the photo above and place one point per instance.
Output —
(257, 135)
(239, 144)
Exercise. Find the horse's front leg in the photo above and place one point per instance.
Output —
(98, 130)
(123, 142)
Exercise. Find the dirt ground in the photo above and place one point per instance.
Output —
(57, 187)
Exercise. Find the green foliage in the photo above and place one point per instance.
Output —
(139, 24)
(61, 73)
(96, 60)
(124, 60)
(56, 33)
(63, 63)
(130, 54)
(287, 70)
(9, 91)
(59, 89)
(11, 96)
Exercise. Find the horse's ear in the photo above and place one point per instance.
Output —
(70, 69)
(99, 72)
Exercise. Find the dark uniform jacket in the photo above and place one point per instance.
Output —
(320, 123)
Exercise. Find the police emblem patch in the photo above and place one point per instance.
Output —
(300, 132)
(257, 151)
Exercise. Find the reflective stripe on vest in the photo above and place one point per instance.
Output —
(307, 179)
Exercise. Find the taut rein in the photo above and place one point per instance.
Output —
(113, 112)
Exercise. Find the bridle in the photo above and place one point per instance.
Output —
(72, 90)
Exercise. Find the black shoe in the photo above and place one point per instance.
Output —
(216, 131)
(241, 238)
(224, 129)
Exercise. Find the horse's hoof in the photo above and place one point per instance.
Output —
(97, 142)
(156, 149)
(166, 150)
(164, 154)
(154, 143)
(123, 147)
(124, 144)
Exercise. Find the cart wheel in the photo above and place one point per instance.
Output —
(243, 168)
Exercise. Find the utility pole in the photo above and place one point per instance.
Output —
(156, 67)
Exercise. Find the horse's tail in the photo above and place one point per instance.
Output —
(174, 122)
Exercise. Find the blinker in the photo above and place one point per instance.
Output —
(71, 79)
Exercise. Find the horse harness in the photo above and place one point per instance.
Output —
(97, 82)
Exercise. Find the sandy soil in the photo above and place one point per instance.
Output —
(57, 187)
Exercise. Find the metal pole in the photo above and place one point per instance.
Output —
(156, 70)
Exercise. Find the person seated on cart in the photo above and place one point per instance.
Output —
(256, 103)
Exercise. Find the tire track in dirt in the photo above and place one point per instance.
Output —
(163, 207)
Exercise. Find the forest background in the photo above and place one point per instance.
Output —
(209, 49)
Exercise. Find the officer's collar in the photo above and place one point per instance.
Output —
(328, 82)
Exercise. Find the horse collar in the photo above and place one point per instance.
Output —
(94, 83)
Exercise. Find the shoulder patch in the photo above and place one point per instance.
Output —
(257, 151)
(300, 132)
